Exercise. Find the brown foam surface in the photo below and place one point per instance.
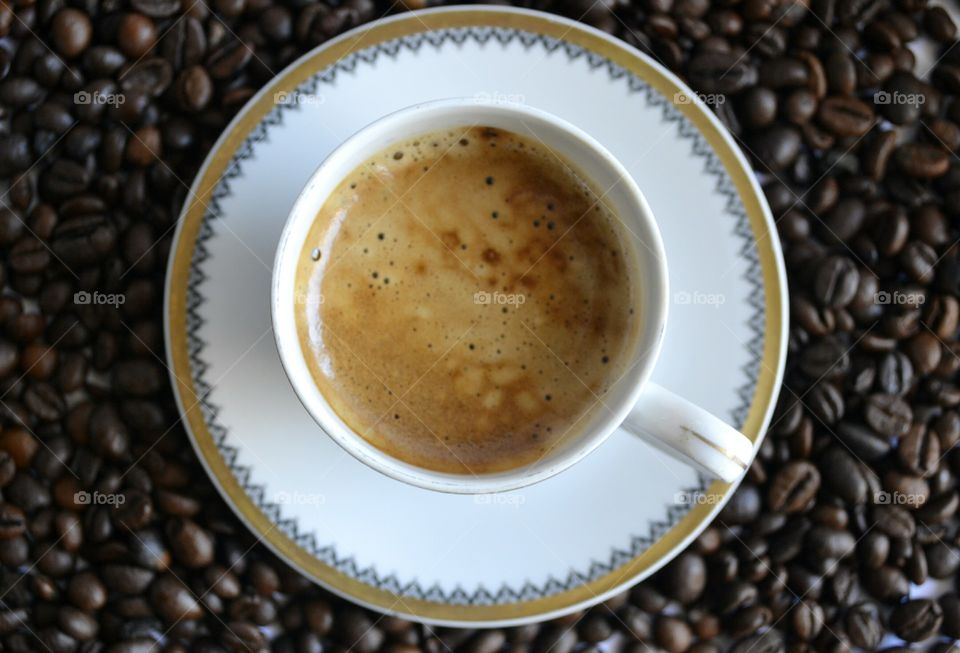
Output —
(476, 300)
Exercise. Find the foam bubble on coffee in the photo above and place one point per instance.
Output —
(468, 300)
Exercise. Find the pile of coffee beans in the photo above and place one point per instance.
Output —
(108, 107)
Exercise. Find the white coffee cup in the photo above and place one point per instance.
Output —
(665, 420)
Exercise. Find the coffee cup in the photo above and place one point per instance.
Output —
(632, 402)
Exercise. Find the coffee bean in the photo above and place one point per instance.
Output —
(919, 451)
(228, 60)
(718, 72)
(895, 373)
(836, 282)
(830, 543)
(194, 89)
(776, 147)
(922, 160)
(72, 31)
(877, 152)
(148, 77)
(938, 509)
(862, 441)
(887, 414)
(894, 521)
(20, 92)
(845, 116)
(770, 641)
(826, 358)
(793, 487)
(943, 560)
(916, 620)
(157, 8)
(743, 507)
(842, 475)
(909, 94)
(950, 606)
(173, 601)
(886, 583)
(190, 543)
(863, 626)
(12, 521)
(136, 34)
(685, 578)
(673, 634)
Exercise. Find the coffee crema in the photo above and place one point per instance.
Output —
(466, 300)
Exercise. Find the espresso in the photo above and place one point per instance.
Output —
(466, 300)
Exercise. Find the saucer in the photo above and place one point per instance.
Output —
(532, 554)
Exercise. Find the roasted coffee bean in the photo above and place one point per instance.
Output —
(893, 521)
(845, 116)
(718, 72)
(793, 488)
(72, 31)
(673, 634)
(136, 34)
(922, 160)
(825, 358)
(826, 403)
(886, 583)
(770, 641)
(173, 601)
(685, 578)
(901, 98)
(919, 451)
(835, 284)
(862, 441)
(776, 148)
(830, 543)
(943, 560)
(743, 507)
(916, 620)
(156, 8)
(194, 89)
(13, 523)
(887, 414)
(895, 373)
(863, 626)
(843, 476)
(950, 606)
(938, 509)
(191, 544)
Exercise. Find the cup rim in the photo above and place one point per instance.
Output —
(330, 423)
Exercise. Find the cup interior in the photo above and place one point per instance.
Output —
(587, 158)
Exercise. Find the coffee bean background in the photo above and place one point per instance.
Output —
(108, 107)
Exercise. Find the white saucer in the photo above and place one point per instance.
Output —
(528, 555)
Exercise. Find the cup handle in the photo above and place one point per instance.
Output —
(689, 433)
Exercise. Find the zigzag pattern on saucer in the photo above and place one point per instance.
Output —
(455, 37)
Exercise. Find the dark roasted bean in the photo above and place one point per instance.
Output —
(916, 620)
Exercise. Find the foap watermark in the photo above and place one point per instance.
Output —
(696, 499)
(898, 499)
(97, 97)
(698, 298)
(301, 499)
(899, 298)
(509, 499)
(710, 99)
(307, 299)
(296, 97)
(497, 298)
(96, 498)
(497, 97)
(97, 298)
(899, 98)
